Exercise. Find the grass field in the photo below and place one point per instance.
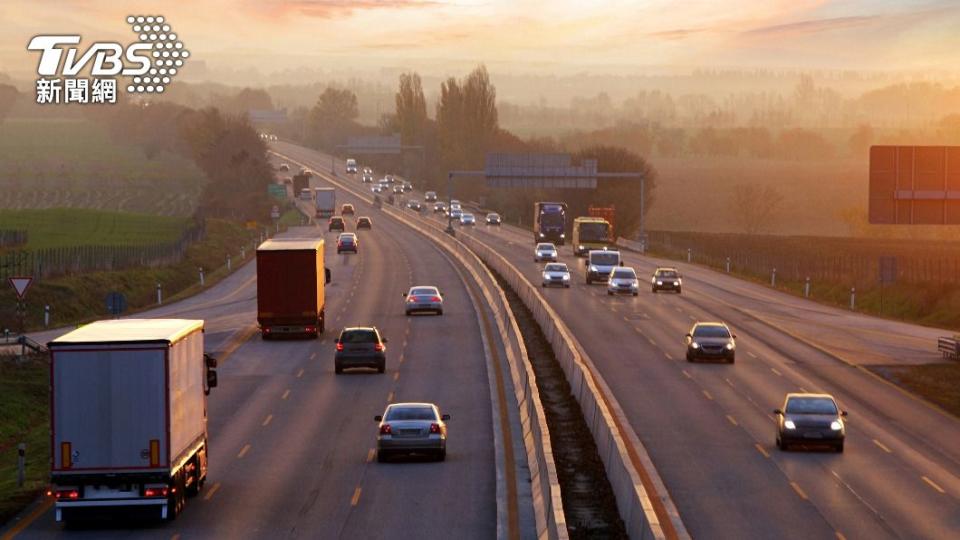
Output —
(24, 400)
(58, 162)
(936, 382)
(69, 227)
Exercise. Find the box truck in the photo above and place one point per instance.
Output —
(549, 222)
(290, 287)
(128, 419)
(326, 201)
(590, 233)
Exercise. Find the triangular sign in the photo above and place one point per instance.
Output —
(20, 284)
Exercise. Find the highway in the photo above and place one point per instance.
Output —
(709, 427)
(292, 444)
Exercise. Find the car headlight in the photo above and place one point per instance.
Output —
(634, 284)
(546, 275)
(541, 235)
(836, 425)
(580, 248)
(789, 424)
(593, 268)
(566, 277)
(562, 235)
(659, 283)
(695, 345)
(730, 346)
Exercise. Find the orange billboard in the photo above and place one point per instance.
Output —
(915, 185)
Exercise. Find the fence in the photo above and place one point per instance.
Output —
(50, 262)
(12, 238)
(839, 260)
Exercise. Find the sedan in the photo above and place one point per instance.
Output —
(545, 251)
(378, 188)
(623, 280)
(347, 242)
(360, 347)
(455, 213)
(367, 178)
(430, 196)
(336, 223)
(467, 220)
(398, 190)
(411, 428)
(424, 298)
(363, 222)
(407, 186)
(711, 340)
(493, 218)
(666, 279)
(414, 205)
(810, 419)
(556, 274)
(439, 208)
(347, 209)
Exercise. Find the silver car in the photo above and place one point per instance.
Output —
(624, 280)
(545, 252)
(556, 274)
(423, 298)
(467, 219)
(411, 428)
(455, 213)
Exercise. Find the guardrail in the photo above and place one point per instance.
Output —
(949, 347)
(547, 501)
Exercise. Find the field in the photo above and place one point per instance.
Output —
(24, 400)
(74, 163)
(70, 227)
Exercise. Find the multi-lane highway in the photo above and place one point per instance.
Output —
(292, 444)
(709, 427)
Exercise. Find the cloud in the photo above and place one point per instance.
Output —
(329, 9)
(677, 33)
(811, 26)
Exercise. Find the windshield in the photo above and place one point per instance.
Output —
(666, 274)
(594, 232)
(358, 336)
(545, 247)
(551, 220)
(624, 274)
(811, 405)
(711, 332)
(605, 259)
(555, 268)
(423, 291)
(411, 413)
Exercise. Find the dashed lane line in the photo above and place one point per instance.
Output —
(214, 489)
(761, 450)
(267, 420)
(882, 446)
(799, 491)
(356, 496)
(933, 484)
(286, 394)
(243, 451)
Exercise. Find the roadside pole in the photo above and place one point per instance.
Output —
(21, 463)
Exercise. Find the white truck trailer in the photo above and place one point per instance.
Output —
(129, 416)
(326, 201)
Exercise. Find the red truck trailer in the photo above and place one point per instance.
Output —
(290, 287)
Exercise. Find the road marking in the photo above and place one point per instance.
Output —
(356, 497)
(313, 356)
(707, 395)
(933, 484)
(390, 397)
(27, 521)
(685, 374)
(840, 535)
(775, 371)
(732, 420)
(761, 450)
(799, 491)
(652, 342)
(175, 537)
(882, 446)
(628, 320)
(285, 394)
(668, 356)
(300, 373)
(396, 375)
(370, 454)
(678, 310)
(691, 317)
(267, 420)
(751, 355)
(728, 382)
(322, 342)
(210, 493)
(402, 358)
(804, 390)
(243, 451)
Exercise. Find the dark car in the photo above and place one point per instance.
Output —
(347, 242)
(666, 279)
(414, 205)
(407, 186)
(494, 218)
(711, 340)
(810, 420)
(347, 209)
(398, 190)
(336, 224)
(360, 347)
(363, 222)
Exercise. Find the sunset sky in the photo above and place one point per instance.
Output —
(517, 35)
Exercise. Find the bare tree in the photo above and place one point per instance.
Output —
(755, 208)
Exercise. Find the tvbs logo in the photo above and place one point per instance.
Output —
(150, 63)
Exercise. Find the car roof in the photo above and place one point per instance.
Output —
(411, 405)
(809, 395)
(348, 234)
(361, 218)
(665, 269)
(563, 264)
(545, 244)
(423, 287)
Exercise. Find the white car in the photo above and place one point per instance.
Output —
(623, 280)
(556, 274)
(467, 219)
(545, 252)
(430, 196)
(455, 213)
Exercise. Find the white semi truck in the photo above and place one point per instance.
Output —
(326, 201)
(129, 416)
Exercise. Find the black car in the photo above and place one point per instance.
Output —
(360, 347)
(810, 420)
(407, 186)
(494, 218)
(711, 341)
(414, 205)
(398, 190)
(363, 222)
(666, 279)
(336, 223)
(347, 242)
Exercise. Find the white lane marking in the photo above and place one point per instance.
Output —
(267, 420)
(933, 484)
(751, 355)
(882, 446)
(285, 394)
(773, 369)
(243, 451)
(796, 487)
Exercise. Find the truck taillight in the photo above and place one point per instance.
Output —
(66, 458)
(434, 428)
(154, 452)
(156, 492)
(378, 347)
(311, 329)
(69, 493)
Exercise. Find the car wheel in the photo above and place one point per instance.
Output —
(566, 286)
(407, 313)
(635, 294)
(338, 369)
(382, 368)
(839, 448)
(678, 290)
(439, 312)
(731, 360)
(544, 285)
(589, 281)
(780, 445)
(382, 456)
(442, 454)
(689, 357)
(653, 290)
(609, 293)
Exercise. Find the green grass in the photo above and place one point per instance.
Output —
(935, 382)
(49, 163)
(24, 400)
(70, 227)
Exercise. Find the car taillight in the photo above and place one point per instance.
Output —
(411, 299)
(65, 493)
(378, 347)
(434, 428)
(311, 329)
(156, 492)
(435, 299)
(385, 429)
(339, 346)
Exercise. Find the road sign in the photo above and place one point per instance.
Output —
(915, 185)
(275, 212)
(888, 270)
(116, 303)
(20, 285)
(373, 144)
(539, 171)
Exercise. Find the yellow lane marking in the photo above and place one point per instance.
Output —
(390, 397)
(685, 374)
(300, 373)
(286, 394)
(370, 455)
(266, 421)
(243, 451)
(707, 395)
(732, 420)
(210, 493)
(799, 491)
(882, 446)
(933, 484)
(356, 497)
(761, 450)
(27, 521)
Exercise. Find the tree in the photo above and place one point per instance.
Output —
(624, 194)
(860, 141)
(8, 96)
(246, 100)
(332, 118)
(755, 208)
(411, 112)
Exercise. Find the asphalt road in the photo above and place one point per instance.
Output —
(292, 444)
(709, 427)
